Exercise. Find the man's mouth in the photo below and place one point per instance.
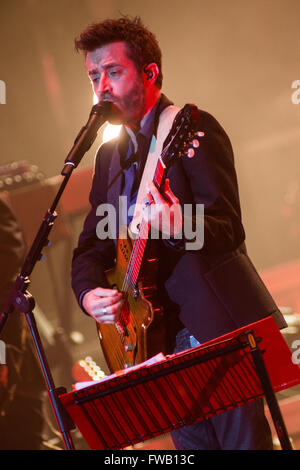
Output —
(115, 115)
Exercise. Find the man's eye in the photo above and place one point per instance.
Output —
(114, 73)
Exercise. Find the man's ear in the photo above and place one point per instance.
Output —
(150, 72)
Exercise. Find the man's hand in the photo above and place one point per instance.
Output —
(163, 213)
(104, 305)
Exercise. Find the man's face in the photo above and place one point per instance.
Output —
(115, 78)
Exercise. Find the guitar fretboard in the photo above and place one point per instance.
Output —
(137, 255)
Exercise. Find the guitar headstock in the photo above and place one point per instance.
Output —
(183, 136)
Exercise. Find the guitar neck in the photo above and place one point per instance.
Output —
(175, 145)
(139, 246)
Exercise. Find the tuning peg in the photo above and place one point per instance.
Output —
(190, 153)
(199, 134)
(195, 143)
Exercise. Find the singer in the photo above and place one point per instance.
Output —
(205, 292)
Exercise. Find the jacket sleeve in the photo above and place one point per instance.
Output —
(211, 180)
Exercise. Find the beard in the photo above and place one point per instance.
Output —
(128, 109)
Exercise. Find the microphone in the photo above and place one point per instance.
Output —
(98, 115)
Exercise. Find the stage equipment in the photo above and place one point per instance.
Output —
(145, 401)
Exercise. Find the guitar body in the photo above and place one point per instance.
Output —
(139, 334)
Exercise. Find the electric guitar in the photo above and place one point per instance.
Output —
(139, 333)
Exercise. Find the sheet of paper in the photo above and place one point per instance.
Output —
(153, 360)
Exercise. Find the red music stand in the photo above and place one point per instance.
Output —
(137, 405)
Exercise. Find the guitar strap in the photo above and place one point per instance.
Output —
(165, 123)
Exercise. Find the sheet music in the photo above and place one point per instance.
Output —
(153, 360)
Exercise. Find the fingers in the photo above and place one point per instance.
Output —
(103, 292)
(168, 193)
(163, 212)
(153, 194)
(105, 301)
(109, 314)
(104, 305)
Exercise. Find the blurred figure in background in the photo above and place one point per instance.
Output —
(21, 381)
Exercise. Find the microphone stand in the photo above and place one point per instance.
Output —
(20, 298)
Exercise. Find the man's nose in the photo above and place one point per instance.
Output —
(103, 85)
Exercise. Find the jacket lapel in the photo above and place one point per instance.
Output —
(114, 178)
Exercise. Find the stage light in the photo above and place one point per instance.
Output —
(110, 132)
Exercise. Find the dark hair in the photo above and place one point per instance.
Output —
(142, 45)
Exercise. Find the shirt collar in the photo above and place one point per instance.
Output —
(146, 126)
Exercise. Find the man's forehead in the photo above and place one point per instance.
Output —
(114, 52)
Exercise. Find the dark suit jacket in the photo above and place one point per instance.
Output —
(211, 291)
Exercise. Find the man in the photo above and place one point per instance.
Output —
(206, 292)
(21, 381)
